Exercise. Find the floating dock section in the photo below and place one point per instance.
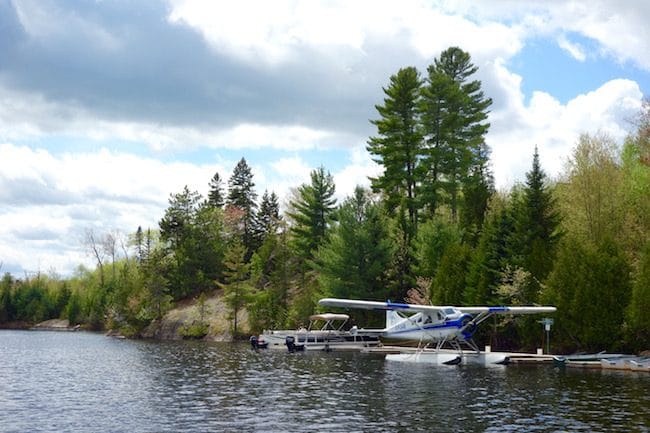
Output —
(451, 357)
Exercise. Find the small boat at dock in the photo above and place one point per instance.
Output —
(640, 364)
(326, 331)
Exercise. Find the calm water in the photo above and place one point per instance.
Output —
(81, 382)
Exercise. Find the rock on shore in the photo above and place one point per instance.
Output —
(187, 312)
(55, 325)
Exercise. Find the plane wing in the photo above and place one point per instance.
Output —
(507, 310)
(376, 305)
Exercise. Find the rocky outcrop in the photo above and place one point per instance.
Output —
(187, 313)
(55, 325)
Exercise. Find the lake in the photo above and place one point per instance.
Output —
(85, 382)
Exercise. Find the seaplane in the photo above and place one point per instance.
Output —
(444, 333)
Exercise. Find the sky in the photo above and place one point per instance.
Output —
(109, 107)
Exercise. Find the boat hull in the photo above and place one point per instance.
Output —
(339, 341)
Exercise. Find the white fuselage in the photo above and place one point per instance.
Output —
(444, 325)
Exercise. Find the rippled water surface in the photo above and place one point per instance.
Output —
(55, 382)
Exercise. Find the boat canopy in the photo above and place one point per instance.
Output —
(328, 317)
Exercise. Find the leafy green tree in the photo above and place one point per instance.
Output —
(312, 211)
(7, 313)
(73, 309)
(242, 195)
(397, 146)
(637, 327)
(635, 169)
(353, 261)
(590, 197)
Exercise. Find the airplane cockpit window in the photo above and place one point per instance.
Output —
(449, 311)
(441, 316)
(427, 320)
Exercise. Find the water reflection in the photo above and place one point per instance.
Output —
(87, 382)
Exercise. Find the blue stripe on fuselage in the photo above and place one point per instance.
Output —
(450, 324)
(498, 309)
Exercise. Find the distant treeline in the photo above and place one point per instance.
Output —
(432, 228)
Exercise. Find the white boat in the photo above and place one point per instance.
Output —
(325, 332)
(641, 364)
(421, 357)
(621, 363)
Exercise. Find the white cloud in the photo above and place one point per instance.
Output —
(26, 115)
(277, 32)
(621, 27)
(49, 200)
(356, 173)
(575, 50)
(555, 128)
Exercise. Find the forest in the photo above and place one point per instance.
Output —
(431, 228)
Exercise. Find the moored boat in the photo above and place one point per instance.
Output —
(325, 332)
(640, 364)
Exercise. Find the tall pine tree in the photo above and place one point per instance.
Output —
(454, 113)
(242, 195)
(312, 212)
(397, 145)
(537, 223)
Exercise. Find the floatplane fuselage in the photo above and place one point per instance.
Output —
(434, 327)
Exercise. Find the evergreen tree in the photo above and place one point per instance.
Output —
(434, 236)
(268, 217)
(236, 289)
(398, 144)
(536, 225)
(242, 195)
(138, 241)
(590, 285)
(215, 193)
(312, 212)
(448, 285)
(353, 261)
(272, 268)
(454, 111)
(192, 234)
(478, 188)
(491, 256)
